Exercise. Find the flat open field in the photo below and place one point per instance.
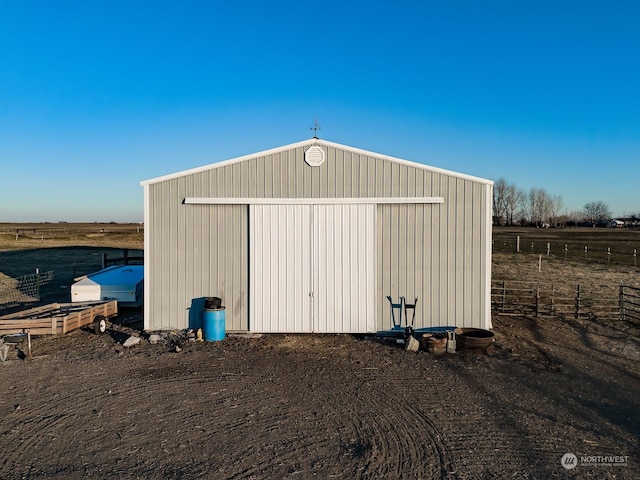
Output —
(599, 245)
(21, 236)
(326, 406)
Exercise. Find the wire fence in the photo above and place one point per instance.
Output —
(23, 289)
(594, 252)
(605, 301)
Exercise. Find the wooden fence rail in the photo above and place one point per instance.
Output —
(580, 301)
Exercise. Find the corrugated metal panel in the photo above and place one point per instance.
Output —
(286, 175)
(280, 262)
(324, 250)
(344, 268)
(192, 254)
(437, 252)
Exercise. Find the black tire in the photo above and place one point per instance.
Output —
(99, 324)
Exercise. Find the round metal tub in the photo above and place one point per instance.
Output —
(476, 340)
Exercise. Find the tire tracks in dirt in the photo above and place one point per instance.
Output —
(283, 407)
(230, 417)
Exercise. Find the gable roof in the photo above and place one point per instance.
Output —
(310, 142)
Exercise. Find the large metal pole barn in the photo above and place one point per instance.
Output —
(312, 237)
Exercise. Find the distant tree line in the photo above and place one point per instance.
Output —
(515, 206)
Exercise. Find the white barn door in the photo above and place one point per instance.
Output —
(312, 268)
(279, 268)
(344, 268)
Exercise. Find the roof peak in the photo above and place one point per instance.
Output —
(324, 143)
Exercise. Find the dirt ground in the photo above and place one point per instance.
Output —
(328, 406)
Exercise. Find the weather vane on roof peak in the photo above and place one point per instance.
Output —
(315, 128)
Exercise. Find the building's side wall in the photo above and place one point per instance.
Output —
(195, 252)
(436, 252)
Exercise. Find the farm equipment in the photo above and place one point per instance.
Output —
(57, 318)
(410, 342)
(408, 329)
(53, 319)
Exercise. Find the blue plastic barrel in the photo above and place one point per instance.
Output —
(214, 324)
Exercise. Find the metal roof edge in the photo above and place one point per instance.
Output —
(316, 141)
(409, 163)
(230, 161)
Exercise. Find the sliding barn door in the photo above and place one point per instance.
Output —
(312, 268)
(344, 268)
(280, 271)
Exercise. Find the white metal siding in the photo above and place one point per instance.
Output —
(280, 270)
(312, 258)
(438, 252)
(344, 268)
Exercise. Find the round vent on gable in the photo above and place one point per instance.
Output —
(314, 156)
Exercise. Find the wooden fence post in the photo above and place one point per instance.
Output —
(548, 248)
(578, 301)
(504, 294)
(586, 249)
(622, 302)
(518, 244)
(608, 254)
(566, 250)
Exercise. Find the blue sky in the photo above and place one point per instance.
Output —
(97, 96)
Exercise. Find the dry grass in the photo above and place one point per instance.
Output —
(552, 269)
(23, 236)
(604, 245)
